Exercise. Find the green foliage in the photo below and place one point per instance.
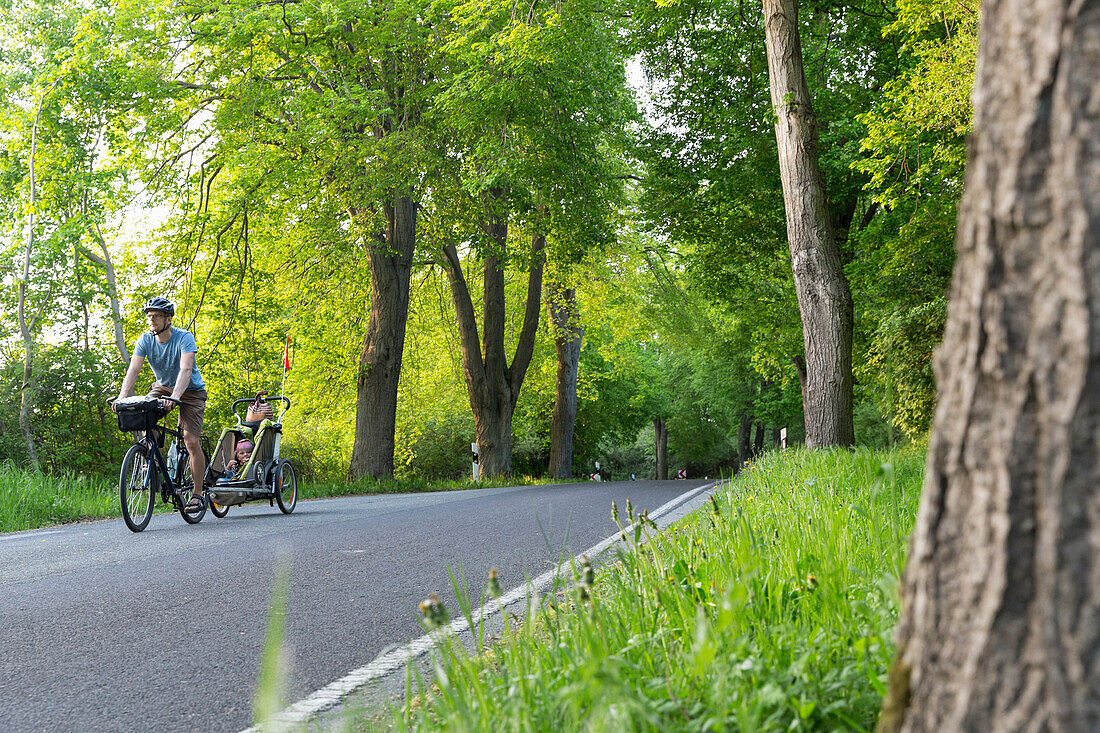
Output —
(916, 132)
(914, 153)
(771, 608)
(73, 427)
(271, 137)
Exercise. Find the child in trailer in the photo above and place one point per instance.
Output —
(240, 457)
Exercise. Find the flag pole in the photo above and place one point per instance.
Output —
(286, 363)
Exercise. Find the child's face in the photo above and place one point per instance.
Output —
(244, 453)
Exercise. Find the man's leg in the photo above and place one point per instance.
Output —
(192, 409)
(198, 460)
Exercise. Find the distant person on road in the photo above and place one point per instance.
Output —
(171, 354)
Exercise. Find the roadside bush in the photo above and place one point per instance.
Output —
(438, 448)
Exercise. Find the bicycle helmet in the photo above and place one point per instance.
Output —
(160, 304)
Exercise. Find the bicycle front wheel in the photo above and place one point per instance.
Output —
(136, 487)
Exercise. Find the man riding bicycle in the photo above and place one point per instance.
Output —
(171, 354)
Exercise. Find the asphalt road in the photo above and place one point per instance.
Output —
(104, 630)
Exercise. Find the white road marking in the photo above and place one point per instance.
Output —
(331, 695)
(24, 535)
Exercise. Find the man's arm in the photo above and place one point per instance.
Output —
(132, 372)
(187, 366)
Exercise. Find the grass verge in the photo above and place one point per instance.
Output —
(31, 500)
(769, 610)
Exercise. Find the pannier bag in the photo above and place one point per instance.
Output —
(260, 410)
(138, 413)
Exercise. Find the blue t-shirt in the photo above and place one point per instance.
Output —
(165, 358)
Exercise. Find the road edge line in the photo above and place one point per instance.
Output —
(333, 693)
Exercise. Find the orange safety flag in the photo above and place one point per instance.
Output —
(286, 353)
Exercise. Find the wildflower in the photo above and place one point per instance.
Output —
(629, 511)
(587, 580)
(614, 512)
(811, 581)
(435, 614)
(494, 583)
(588, 574)
(714, 505)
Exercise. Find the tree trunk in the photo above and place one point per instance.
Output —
(493, 384)
(824, 299)
(999, 627)
(26, 328)
(568, 333)
(112, 294)
(383, 345)
(661, 432)
(758, 440)
(744, 440)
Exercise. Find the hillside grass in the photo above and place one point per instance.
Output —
(32, 500)
(770, 609)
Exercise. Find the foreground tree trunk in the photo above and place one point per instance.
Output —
(384, 343)
(999, 629)
(568, 333)
(824, 299)
(492, 383)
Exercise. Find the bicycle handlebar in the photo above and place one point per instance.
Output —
(112, 400)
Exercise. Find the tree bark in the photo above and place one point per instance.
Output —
(568, 333)
(492, 383)
(744, 440)
(112, 293)
(758, 440)
(661, 432)
(384, 343)
(824, 299)
(26, 328)
(999, 628)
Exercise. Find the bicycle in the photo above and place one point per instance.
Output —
(145, 470)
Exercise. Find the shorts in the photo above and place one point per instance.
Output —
(192, 407)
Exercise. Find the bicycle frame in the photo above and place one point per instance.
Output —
(169, 483)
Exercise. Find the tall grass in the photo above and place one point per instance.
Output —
(29, 500)
(771, 609)
(273, 665)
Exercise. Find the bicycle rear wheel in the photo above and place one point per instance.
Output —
(136, 487)
(286, 487)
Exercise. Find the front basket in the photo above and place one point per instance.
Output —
(139, 414)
